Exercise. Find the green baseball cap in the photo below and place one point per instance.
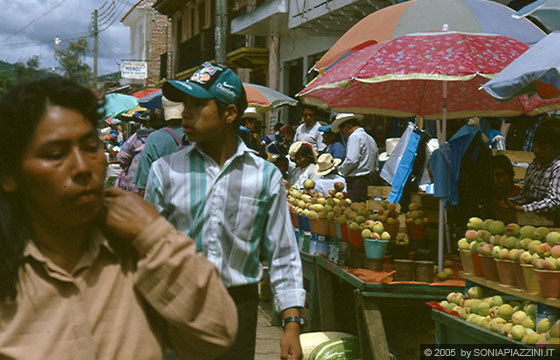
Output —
(209, 82)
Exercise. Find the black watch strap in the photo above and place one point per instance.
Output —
(297, 319)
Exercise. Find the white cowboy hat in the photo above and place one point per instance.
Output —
(343, 117)
(325, 164)
(251, 113)
(171, 109)
(390, 145)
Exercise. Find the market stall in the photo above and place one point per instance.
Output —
(345, 290)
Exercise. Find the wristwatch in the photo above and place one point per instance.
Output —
(297, 319)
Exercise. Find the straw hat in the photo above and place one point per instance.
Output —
(294, 148)
(325, 164)
(171, 109)
(390, 145)
(251, 113)
(343, 117)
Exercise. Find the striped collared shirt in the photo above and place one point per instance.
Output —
(232, 213)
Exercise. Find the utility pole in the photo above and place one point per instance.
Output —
(95, 48)
(220, 34)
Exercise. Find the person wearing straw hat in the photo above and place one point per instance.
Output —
(304, 157)
(247, 130)
(390, 145)
(360, 166)
(161, 142)
(327, 170)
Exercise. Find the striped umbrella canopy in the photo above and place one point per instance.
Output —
(536, 71)
(476, 16)
(404, 77)
(264, 98)
(545, 11)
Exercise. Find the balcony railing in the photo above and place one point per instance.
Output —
(202, 47)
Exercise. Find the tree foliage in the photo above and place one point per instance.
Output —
(13, 74)
(71, 61)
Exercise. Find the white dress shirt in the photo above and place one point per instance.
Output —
(361, 155)
(311, 135)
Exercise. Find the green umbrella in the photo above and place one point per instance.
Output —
(116, 104)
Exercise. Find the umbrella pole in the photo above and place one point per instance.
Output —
(441, 228)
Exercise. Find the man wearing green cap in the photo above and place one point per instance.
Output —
(219, 192)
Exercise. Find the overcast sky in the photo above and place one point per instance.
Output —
(29, 27)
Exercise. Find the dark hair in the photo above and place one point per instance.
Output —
(241, 105)
(21, 110)
(547, 133)
(353, 122)
(306, 151)
(309, 107)
(503, 162)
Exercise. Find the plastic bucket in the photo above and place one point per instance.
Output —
(505, 271)
(489, 268)
(424, 271)
(356, 238)
(519, 278)
(415, 232)
(338, 230)
(320, 226)
(344, 233)
(355, 257)
(332, 229)
(404, 270)
(374, 264)
(467, 261)
(375, 249)
(306, 243)
(477, 264)
(549, 281)
(392, 229)
(531, 279)
(303, 222)
(293, 217)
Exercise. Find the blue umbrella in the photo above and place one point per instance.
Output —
(537, 70)
(151, 101)
(116, 104)
(546, 11)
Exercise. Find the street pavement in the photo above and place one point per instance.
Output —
(268, 335)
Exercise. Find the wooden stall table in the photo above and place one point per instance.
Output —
(346, 303)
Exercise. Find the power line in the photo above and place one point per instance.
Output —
(121, 5)
(35, 20)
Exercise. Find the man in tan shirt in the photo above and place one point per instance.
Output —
(84, 273)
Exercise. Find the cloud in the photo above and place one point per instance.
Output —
(29, 27)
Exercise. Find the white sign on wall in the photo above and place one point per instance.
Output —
(134, 70)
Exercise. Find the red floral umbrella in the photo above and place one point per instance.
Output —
(413, 75)
(403, 77)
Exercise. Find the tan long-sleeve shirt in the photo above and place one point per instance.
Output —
(111, 307)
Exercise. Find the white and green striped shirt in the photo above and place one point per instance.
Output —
(233, 214)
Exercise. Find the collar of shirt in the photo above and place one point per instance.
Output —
(95, 243)
(241, 150)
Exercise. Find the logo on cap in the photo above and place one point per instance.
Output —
(205, 73)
